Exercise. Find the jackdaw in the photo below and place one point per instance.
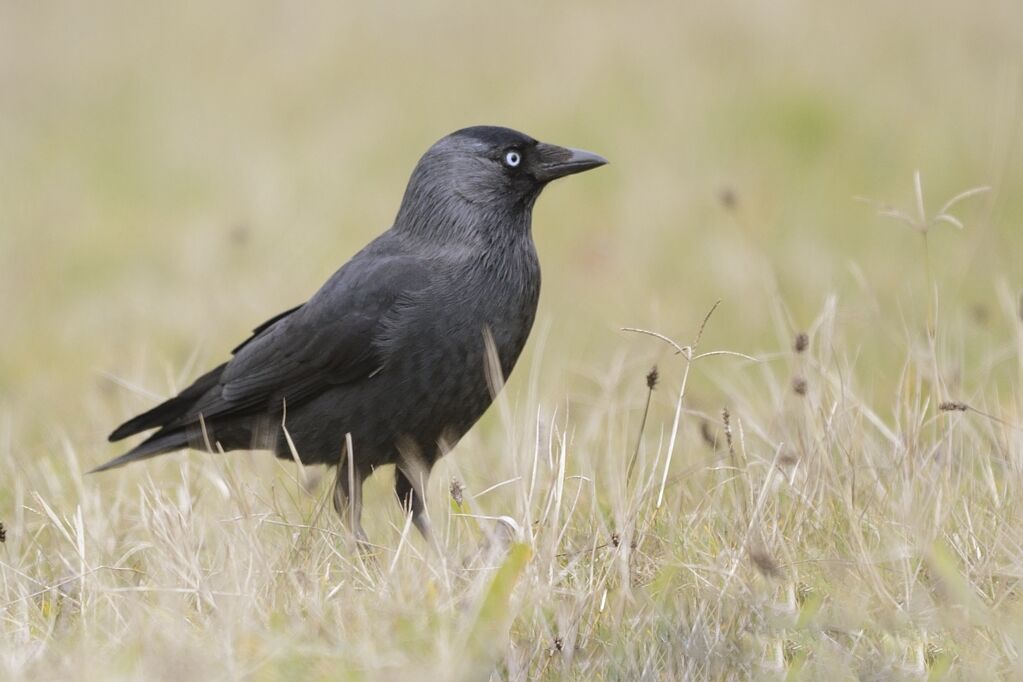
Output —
(401, 351)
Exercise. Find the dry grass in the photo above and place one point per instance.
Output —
(822, 478)
(820, 536)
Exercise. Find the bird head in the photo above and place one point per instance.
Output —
(488, 170)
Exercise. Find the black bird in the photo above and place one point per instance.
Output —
(398, 354)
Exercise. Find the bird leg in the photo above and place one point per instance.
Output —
(408, 487)
(348, 497)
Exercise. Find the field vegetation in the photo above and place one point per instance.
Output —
(812, 227)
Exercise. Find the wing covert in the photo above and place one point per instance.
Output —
(332, 339)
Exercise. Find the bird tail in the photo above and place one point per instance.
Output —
(172, 416)
(159, 443)
(169, 412)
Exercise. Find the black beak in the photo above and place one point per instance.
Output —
(557, 162)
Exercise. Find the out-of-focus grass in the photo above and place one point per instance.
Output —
(171, 176)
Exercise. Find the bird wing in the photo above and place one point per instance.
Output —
(334, 338)
(263, 327)
(181, 407)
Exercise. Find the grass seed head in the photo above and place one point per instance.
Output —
(727, 419)
(953, 406)
(799, 385)
(457, 489)
(728, 198)
(3, 532)
(802, 342)
(652, 377)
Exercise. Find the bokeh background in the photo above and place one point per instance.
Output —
(173, 174)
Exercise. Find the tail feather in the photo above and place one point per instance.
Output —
(159, 443)
(170, 411)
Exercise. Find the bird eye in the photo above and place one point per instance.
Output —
(512, 159)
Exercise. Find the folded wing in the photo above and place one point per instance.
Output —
(336, 338)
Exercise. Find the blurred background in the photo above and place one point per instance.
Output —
(172, 175)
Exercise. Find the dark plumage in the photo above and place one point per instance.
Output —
(393, 349)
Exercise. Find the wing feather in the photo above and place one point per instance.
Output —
(333, 339)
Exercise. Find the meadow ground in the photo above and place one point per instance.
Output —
(844, 504)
